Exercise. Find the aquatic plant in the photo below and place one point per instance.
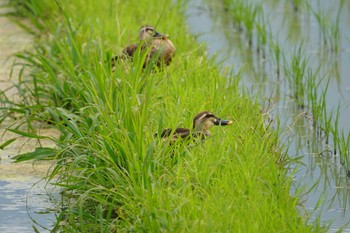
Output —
(298, 5)
(343, 148)
(295, 73)
(329, 29)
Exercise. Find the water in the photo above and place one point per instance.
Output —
(23, 206)
(211, 23)
(26, 200)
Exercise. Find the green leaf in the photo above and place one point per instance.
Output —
(8, 142)
(37, 154)
(25, 134)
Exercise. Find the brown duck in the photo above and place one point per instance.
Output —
(201, 124)
(157, 44)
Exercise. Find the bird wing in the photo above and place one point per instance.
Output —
(130, 50)
(182, 132)
(178, 133)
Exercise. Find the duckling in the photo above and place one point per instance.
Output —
(156, 43)
(201, 124)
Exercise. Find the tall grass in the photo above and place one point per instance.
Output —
(329, 29)
(247, 18)
(114, 174)
(296, 75)
(298, 5)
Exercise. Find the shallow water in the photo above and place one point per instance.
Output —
(23, 205)
(212, 25)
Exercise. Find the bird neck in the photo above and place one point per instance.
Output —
(202, 128)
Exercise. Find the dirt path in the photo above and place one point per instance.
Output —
(12, 40)
(19, 181)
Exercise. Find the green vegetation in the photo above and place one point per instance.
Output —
(114, 174)
(329, 29)
(295, 72)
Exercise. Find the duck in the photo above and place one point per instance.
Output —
(201, 124)
(157, 44)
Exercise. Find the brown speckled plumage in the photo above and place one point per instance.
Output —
(155, 43)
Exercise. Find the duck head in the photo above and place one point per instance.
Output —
(204, 120)
(147, 33)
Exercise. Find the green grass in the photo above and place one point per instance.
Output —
(245, 16)
(115, 176)
(295, 72)
(329, 28)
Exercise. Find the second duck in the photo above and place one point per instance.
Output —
(201, 124)
(157, 44)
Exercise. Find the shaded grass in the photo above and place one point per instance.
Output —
(115, 175)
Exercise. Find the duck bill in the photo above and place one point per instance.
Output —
(159, 35)
(223, 122)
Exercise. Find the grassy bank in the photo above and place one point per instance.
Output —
(115, 175)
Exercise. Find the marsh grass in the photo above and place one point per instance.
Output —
(343, 148)
(248, 20)
(115, 175)
(326, 122)
(295, 72)
(336, 129)
(329, 29)
(298, 5)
